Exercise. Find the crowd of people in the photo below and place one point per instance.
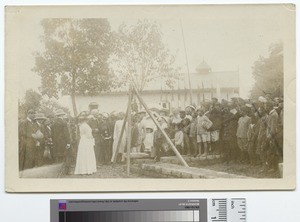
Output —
(240, 131)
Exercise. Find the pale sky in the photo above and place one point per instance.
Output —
(225, 43)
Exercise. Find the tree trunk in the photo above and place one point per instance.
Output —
(74, 105)
(73, 94)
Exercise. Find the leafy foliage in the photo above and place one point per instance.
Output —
(141, 56)
(31, 100)
(268, 73)
(34, 100)
(50, 106)
(74, 60)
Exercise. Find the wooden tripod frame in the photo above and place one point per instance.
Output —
(127, 119)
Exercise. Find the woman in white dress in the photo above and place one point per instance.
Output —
(86, 159)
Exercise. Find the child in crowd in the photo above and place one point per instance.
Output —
(186, 141)
(193, 134)
(203, 124)
(178, 140)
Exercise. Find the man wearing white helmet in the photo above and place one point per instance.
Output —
(189, 110)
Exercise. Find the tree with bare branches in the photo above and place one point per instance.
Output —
(140, 56)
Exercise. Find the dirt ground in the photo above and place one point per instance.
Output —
(105, 171)
(119, 170)
(240, 169)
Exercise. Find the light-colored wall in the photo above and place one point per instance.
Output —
(118, 102)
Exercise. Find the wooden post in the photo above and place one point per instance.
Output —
(115, 155)
(129, 130)
(203, 91)
(187, 65)
(122, 132)
(159, 127)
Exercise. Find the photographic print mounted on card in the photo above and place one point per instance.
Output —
(150, 98)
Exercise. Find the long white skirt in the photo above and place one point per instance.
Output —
(86, 160)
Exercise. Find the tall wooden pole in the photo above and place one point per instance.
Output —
(129, 130)
(187, 65)
(159, 127)
(178, 96)
(121, 134)
(203, 91)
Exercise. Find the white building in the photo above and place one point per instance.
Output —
(205, 84)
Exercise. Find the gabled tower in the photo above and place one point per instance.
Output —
(203, 68)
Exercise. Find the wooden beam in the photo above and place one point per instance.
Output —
(121, 134)
(129, 130)
(159, 127)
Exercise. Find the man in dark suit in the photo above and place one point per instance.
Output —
(27, 143)
(40, 143)
(47, 156)
(215, 115)
(94, 123)
(105, 139)
(273, 150)
(61, 140)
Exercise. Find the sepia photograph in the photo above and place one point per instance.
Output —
(143, 98)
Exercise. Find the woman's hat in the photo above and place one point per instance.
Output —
(262, 99)
(191, 106)
(39, 116)
(59, 112)
(83, 115)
